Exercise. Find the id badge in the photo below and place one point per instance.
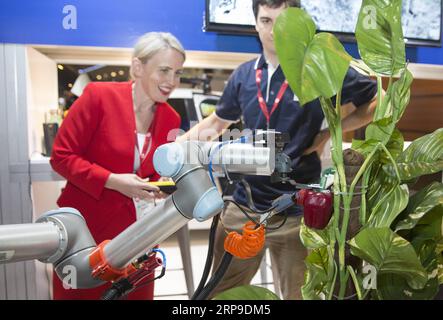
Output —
(142, 207)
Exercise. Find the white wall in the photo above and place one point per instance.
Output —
(42, 95)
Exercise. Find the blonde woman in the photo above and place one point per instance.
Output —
(105, 146)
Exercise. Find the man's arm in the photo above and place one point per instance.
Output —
(207, 130)
(360, 117)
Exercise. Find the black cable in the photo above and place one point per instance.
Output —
(117, 290)
(125, 286)
(132, 283)
(210, 254)
(227, 184)
(139, 286)
(249, 200)
(202, 292)
(248, 194)
(216, 277)
(209, 257)
(242, 210)
(281, 224)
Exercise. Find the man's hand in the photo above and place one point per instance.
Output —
(132, 186)
(319, 142)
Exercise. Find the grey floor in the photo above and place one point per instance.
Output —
(173, 286)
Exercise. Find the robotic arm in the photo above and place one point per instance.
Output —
(61, 237)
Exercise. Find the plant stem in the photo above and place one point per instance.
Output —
(334, 123)
(366, 293)
(365, 183)
(347, 197)
(334, 269)
(379, 91)
(344, 276)
(394, 164)
(364, 166)
(356, 283)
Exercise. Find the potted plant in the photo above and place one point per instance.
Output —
(390, 245)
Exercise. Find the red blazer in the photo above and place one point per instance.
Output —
(98, 137)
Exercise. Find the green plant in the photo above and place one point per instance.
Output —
(399, 235)
(247, 292)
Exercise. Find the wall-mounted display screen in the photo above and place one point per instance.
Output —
(421, 19)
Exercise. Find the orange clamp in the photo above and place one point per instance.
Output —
(248, 244)
(101, 268)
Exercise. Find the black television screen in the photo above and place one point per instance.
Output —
(421, 19)
(229, 16)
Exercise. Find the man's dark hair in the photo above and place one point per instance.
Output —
(273, 4)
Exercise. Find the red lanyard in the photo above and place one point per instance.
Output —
(261, 100)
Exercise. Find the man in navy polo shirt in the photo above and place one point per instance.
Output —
(241, 100)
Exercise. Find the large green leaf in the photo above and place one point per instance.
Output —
(316, 275)
(428, 228)
(396, 98)
(333, 120)
(380, 36)
(385, 212)
(389, 112)
(395, 146)
(440, 268)
(382, 3)
(380, 130)
(394, 287)
(312, 238)
(315, 65)
(423, 156)
(419, 205)
(247, 292)
(362, 67)
(401, 94)
(380, 187)
(384, 109)
(389, 253)
(364, 146)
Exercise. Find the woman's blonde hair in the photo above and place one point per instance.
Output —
(152, 42)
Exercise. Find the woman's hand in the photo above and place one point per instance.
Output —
(165, 179)
(132, 186)
(162, 195)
